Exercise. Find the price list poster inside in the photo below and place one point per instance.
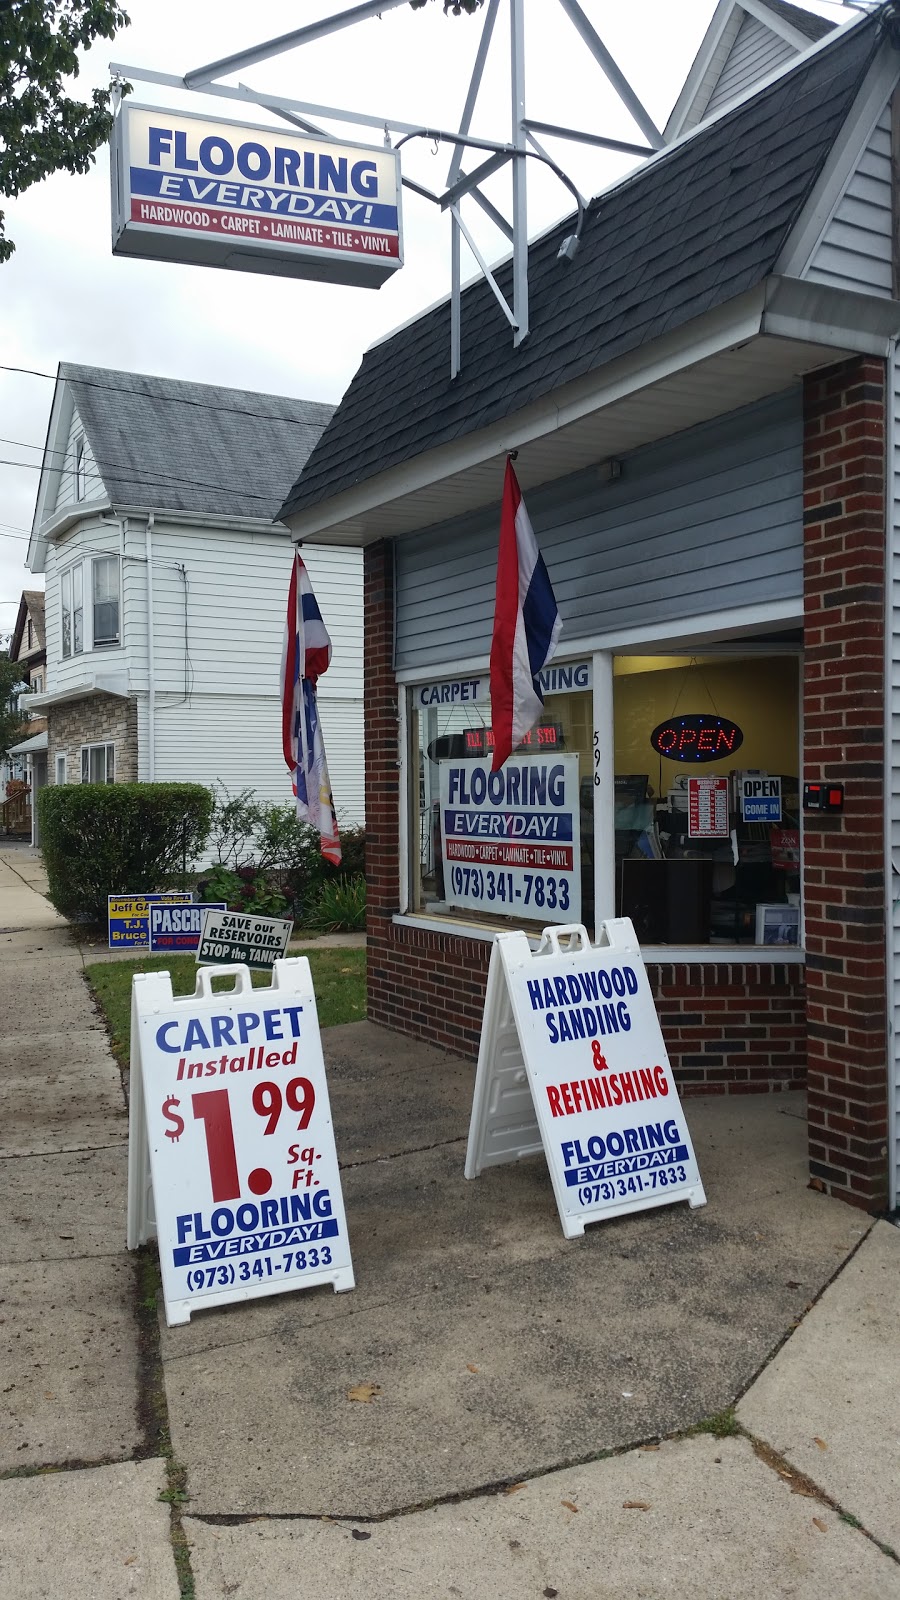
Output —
(230, 1105)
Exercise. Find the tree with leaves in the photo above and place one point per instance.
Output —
(11, 718)
(43, 130)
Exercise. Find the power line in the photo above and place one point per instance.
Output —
(172, 399)
(165, 479)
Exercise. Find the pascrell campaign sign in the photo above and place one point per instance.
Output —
(511, 840)
(220, 193)
(179, 927)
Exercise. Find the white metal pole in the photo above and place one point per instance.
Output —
(520, 188)
(455, 290)
(151, 658)
(604, 791)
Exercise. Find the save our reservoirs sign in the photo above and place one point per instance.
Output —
(231, 1145)
(226, 194)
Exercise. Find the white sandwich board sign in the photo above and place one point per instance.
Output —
(572, 1062)
(231, 1159)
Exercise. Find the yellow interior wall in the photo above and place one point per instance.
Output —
(761, 696)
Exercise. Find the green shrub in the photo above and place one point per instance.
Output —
(340, 906)
(265, 857)
(119, 838)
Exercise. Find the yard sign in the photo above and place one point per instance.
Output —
(232, 1162)
(572, 1061)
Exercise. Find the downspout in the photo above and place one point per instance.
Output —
(151, 661)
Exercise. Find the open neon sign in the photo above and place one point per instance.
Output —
(696, 738)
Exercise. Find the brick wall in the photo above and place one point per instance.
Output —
(97, 719)
(843, 710)
(728, 1029)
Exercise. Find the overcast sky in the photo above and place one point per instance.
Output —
(64, 296)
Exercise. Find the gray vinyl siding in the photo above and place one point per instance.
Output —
(756, 52)
(706, 521)
(855, 249)
(893, 879)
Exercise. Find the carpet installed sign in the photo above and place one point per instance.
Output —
(511, 840)
(220, 193)
(231, 1157)
(572, 1061)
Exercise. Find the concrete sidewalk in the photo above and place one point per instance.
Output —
(520, 1440)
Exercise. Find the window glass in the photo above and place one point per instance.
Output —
(106, 600)
(98, 763)
(66, 609)
(61, 769)
(77, 610)
(515, 845)
(707, 808)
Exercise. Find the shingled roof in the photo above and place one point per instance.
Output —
(804, 21)
(175, 446)
(700, 224)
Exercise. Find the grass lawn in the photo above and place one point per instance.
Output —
(339, 977)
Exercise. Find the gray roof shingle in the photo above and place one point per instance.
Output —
(699, 225)
(804, 21)
(174, 446)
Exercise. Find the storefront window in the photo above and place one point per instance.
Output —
(512, 847)
(707, 808)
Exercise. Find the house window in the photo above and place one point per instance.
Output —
(102, 580)
(65, 593)
(106, 600)
(30, 634)
(79, 468)
(37, 683)
(98, 763)
(61, 769)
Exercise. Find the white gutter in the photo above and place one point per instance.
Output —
(891, 879)
(151, 658)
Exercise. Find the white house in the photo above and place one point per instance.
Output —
(166, 587)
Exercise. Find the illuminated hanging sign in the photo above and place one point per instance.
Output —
(225, 194)
(696, 737)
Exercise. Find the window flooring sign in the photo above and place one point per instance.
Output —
(511, 840)
(235, 936)
(128, 917)
(572, 1061)
(232, 1160)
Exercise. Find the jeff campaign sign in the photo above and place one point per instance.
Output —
(128, 917)
(232, 1162)
(574, 1029)
(221, 193)
(235, 936)
(511, 840)
(178, 927)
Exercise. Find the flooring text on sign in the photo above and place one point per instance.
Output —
(572, 1061)
(231, 1138)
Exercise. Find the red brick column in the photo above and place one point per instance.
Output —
(843, 741)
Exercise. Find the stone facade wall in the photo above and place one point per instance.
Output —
(97, 719)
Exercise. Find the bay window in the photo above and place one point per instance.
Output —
(99, 576)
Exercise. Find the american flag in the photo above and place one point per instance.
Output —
(307, 653)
